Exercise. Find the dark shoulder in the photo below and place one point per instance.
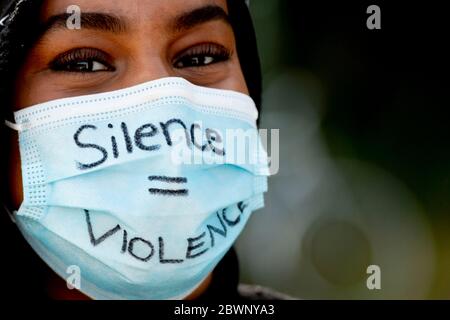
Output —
(255, 292)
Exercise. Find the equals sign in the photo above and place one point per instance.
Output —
(169, 192)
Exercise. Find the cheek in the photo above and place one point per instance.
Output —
(235, 80)
(32, 90)
(241, 84)
(238, 78)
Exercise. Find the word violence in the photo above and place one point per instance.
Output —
(195, 247)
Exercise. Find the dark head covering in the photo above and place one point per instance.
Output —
(24, 273)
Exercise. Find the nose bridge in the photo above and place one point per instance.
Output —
(148, 65)
(148, 47)
(148, 57)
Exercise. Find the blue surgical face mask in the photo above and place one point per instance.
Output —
(143, 190)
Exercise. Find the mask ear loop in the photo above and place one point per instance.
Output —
(10, 213)
(14, 126)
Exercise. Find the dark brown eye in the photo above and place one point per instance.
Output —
(83, 60)
(202, 56)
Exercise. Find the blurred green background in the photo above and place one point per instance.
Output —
(364, 154)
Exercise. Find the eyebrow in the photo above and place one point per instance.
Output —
(116, 24)
(199, 16)
(89, 20)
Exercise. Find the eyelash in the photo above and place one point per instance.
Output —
(68, 61)
(217, 52)
(195, 57)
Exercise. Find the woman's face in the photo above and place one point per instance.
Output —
(121, 44)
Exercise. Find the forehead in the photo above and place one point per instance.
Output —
(150, 10)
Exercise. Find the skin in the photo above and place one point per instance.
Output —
(149, 48)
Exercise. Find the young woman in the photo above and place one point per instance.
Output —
(90, 86)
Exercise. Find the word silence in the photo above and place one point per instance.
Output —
(144, 138)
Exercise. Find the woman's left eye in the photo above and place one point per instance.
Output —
(195, 61)
(202, 56)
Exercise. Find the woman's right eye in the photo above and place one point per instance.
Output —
(82, 60)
